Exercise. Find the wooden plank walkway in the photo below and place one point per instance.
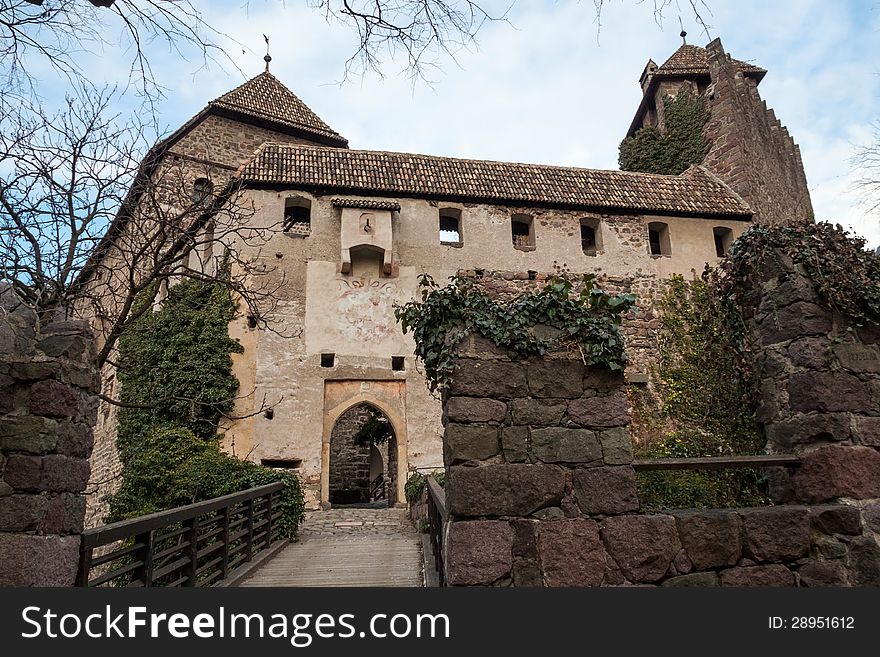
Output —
(348, 547)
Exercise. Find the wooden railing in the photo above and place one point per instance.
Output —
(196, 545)
(436, 523)
(718, 462)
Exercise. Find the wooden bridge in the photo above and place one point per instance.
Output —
(238, 540)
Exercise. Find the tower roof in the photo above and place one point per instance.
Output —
(264, 98)
(689, 61)
(694, 60)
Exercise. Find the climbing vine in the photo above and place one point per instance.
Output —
(679, 147)
(376, 430)
(175, 372)
(586, 320)
(706, 388)
(700, 406)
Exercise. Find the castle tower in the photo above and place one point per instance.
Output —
(749, 149)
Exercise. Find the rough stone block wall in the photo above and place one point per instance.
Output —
(47, 387)
(541, 492)
(640, 325)
(751, 150)
(820, 391)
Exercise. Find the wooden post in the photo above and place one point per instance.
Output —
(192, 551)
(250, 529)
(85, 563)
(224, 536)
(268, 541)
(145, 555)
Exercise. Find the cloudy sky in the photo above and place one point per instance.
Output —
(548, 87)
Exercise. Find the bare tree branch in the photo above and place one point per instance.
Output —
(866, 161)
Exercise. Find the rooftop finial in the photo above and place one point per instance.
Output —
(682, 34)
(268, 57)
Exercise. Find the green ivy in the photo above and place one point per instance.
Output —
(177, 363)
(673, 151)
(416, 483)
(174, 467)
(376, 430)
(703, 409)
(706, 386)
(586, 320)
(175, 372)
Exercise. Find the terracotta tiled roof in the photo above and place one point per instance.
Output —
(405, 174)
(264, 97)
(365, 203)
(691, 60)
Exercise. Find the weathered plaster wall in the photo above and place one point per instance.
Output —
(351, 315)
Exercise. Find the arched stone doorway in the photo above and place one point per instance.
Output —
(363, 459)
(388, 398)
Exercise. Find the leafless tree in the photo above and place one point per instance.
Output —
(866, 162)
(35, 34)
(420, 30)
(87, 228)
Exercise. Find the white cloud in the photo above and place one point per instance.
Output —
(543, 90)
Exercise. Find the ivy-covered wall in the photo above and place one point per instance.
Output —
(697, 405)
(175, 371)
(680, 146)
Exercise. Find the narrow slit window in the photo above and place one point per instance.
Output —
(658, 239)
(522, 231)
(723, 240)
(398, 363)
(297, 216)
(328, 360)
(591, 238)
(450, 226)
(281, 464)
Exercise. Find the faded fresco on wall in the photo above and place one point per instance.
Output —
(363, 306)
(355, 314)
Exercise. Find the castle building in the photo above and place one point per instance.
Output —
(357, 228)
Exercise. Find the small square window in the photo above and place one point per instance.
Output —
(522, 231)
(450, 226)
(328, 360)
(723, 239)
(297, 216)
(398, 363)
(591, 237)
(658, 239)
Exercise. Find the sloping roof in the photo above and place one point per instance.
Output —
(694, 60)
(264, 97)
(365, 204)
(405, 174)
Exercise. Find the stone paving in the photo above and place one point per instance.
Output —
(348, 547)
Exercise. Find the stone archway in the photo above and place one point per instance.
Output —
(360, 443)
(386, 396)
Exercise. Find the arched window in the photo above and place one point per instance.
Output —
(202, 191)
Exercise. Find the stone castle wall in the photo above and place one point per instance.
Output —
(213, 148)
(541, 492)
(47, 401)
(751, 150)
